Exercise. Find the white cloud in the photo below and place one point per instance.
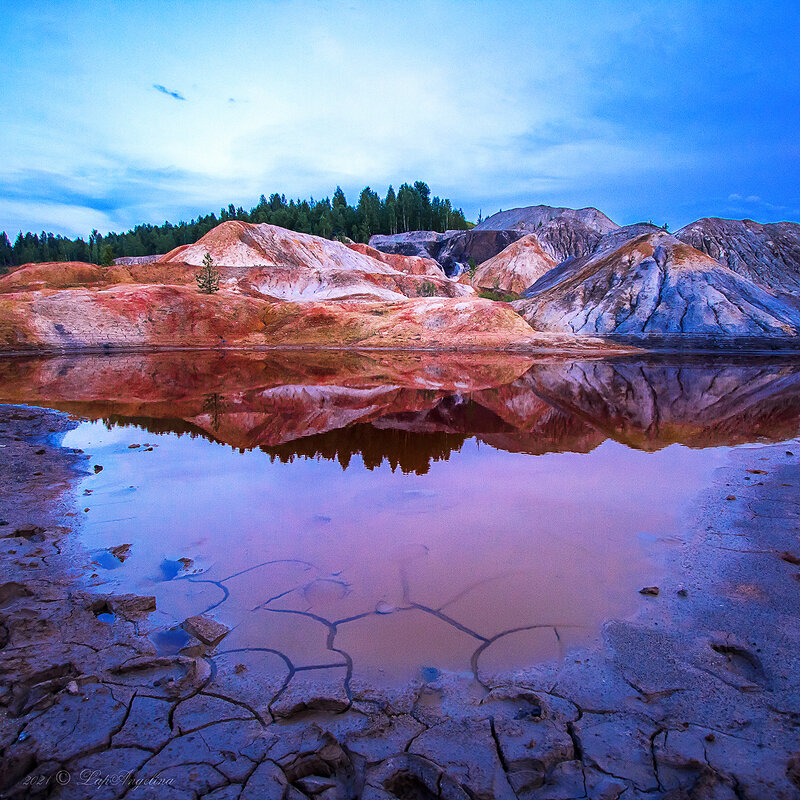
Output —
(487, 102)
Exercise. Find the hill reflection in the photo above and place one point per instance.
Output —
(411, 410)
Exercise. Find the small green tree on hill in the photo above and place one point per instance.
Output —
(428, 289)
(472, 268)
(208, 277)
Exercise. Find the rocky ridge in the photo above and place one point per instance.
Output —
(277, 288)
(655, 285)
(155, 316)
(516, 268)
(585, 276)
(768, 255)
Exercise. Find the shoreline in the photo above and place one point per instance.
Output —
(631, 718)
(589, 350)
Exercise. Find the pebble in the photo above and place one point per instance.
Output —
(72, 688)
(683, 592)
(650, 591)
(731, 497)
(97, 468)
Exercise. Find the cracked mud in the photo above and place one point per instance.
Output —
(265, 692)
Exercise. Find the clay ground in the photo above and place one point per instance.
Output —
(697, 697)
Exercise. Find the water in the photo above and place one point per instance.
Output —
(400, 514)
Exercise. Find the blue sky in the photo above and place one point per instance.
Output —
(121, 112)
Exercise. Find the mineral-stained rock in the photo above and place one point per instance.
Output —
(475, 245)
(423, 244)
(259, 259)
(127, 261)
(768, 255)
(564, 238)
(163, 316)
(414, 265)
(656, 286)
(207, 630)
(613, 240)
(564, 233)
(297, 266)
(516, 268)
(531, 218)
(51, 275)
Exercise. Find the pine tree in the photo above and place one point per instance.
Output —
(208, 277)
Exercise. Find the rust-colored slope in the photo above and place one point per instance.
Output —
(516, 268)
(414, 265)
(51, 275)
(147, 316)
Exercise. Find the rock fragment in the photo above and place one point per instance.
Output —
(207, 630)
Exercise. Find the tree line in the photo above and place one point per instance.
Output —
(410, 208)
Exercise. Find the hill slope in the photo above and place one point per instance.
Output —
(768, 255)
(515, 268)
(655, 285)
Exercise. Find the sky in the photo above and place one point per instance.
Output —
(115, 113)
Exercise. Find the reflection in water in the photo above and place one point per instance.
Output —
(412, 409)
(382, 536)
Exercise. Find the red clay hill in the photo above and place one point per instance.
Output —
(277, 288)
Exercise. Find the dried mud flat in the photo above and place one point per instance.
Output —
(697, 697)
